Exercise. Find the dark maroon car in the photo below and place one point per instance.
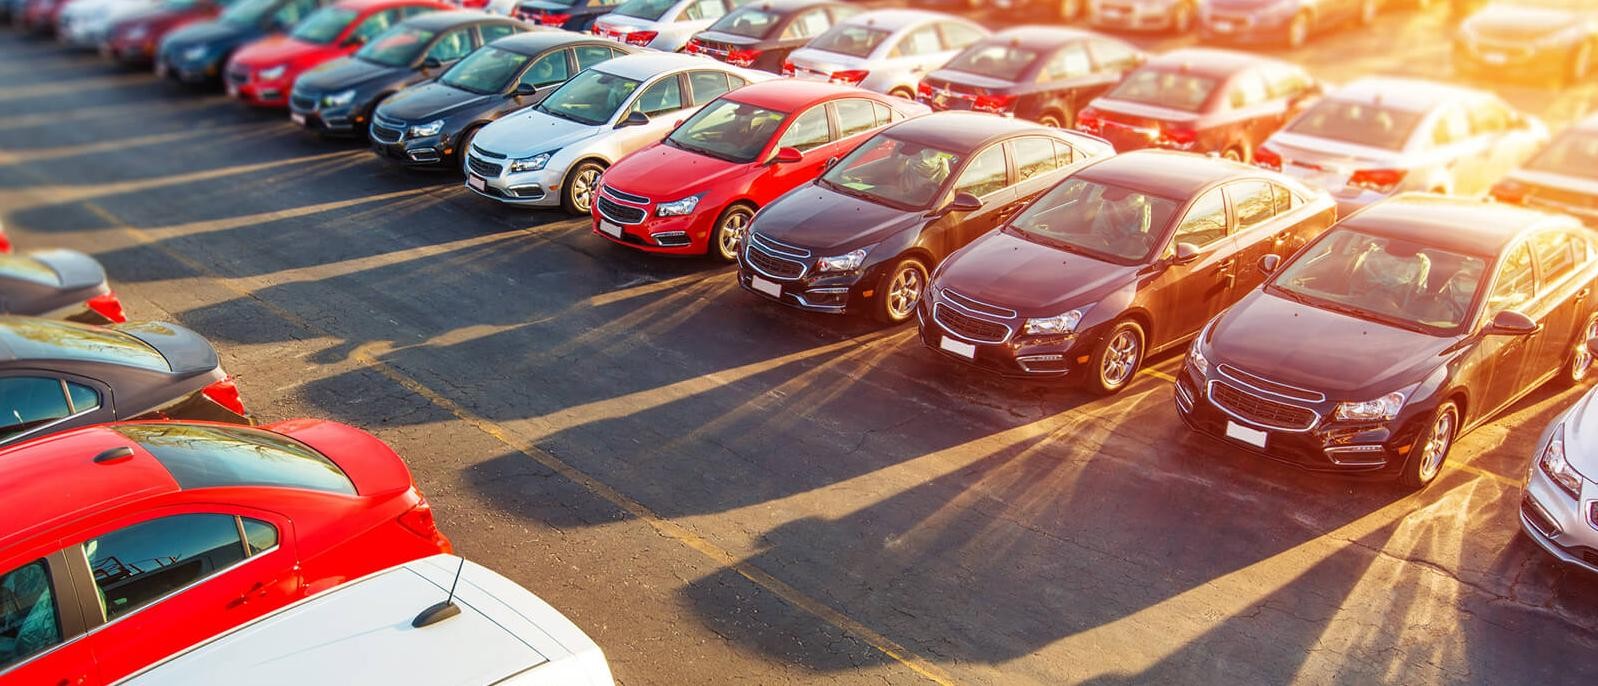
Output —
(133, 41)
(1201, 100)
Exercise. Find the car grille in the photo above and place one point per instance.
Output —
(483, 167)
(488, 154)
(1272, 387)
(625, 197)
(968, 327)
(775, 259)
(977, 306)
(387, 131)
(302, 102)
(617, 212)
(1260, 411)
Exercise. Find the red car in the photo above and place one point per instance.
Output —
(1201, 100)
(5, 241)
(121, 544)
(262, 73)
(696, 191)
(133, 41)
(39, 16)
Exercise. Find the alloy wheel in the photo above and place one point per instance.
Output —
(730, 235)
(1435, 449)
(1121, 358)
(582, 190)
(905, 292)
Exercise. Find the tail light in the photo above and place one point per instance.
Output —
(642, 38)
(548, 19)
(743, 58)
(1089, 121)
(226, 394)
(695, 47)
(924, 89)
(788, 69)
(5, 243)
(1268, 158)
(849, 77)
(997, 104)
(419, 520)
(1379, 180)
(1177, 137)
(1510, 192)
(107, 306)
(597, 30)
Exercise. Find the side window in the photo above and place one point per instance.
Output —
(808, 131)
(1113, 55)
(1253, 202)
(885, 114)
(1284, 198)
(259, 536)
(1452, 127)
(1205, 223)
(82, 398)
(922, 41)
(376, 24)
(735, 82)
(453, 46)
(707, 85)
(1034, 157)
(856, 115)
(1069, 63)
(1556, 255)
(291, 13)
(1516, 282)
(1065, 154)
(985, 174)
(705, 9)
(807, 25)
(590, 55)
(1282, 81)
(664, 96)
(31, 402)
(29, 624)
(140, 564)
(1488, 117)
(957, 36)
(494, 32)
(1247, 90)
(548, 70)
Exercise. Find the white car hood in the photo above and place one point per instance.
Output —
(1581, 436)
(527, 133)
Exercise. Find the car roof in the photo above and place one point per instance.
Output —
(1210, 61)
(52, 479)
(791, 95)
(1416, 95)
(897, 18)
(437, 21)
(1167, 173)
(1041, 38)
(961, 131)
(1472, 225)
(534, 42)
(646, 65)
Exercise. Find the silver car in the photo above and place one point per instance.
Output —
(1175, 16)
(87, 23)
(1559, 509)
(887, 51)
(664, 25)
(552, 154)
(1379, 136)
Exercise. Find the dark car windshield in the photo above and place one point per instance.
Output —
(1103, 221)
(1387, 280)
(853, 40)
(591, 98)
(395, 48)
(994, 61)
(204, 456)
(44, 339)
(894, 172)
(1161, 88)
(1574, 153)
(1360, 123)
(729, 130)
(324, 25)
(249, 12)
(652, 10)
(747, 22)
(488, 70)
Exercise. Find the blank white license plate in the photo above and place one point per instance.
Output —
(1238, 432)
(763, 286)
(297, 118)
(476, 182)
(232, 91)
(965, 350)
(613, 230)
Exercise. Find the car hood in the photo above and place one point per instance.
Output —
(276, 50)
(667, 174)
(346, 72)
(1343, 356)
(527, 133)
(1581, 435)
(827, 222)
(1033, 279)
(74, 269)
(211, 32)
(429, 101)
(1511, 22)
(185, 351)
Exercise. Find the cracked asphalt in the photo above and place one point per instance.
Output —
(719, 490)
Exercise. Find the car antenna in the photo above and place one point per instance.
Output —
(443, 610)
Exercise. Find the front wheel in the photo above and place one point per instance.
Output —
(1116, 359)
(582, 185)
(1431, 448)
(903, 93)
(899, 291)
(1057, 120)
(731, 230)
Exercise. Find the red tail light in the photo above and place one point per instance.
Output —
(1089, 121)
(997, 104)
(1267, 158)
(1175, 137)
(108, 306)
(548, 19)
(788, 69)
(1510, 192)
(1379, 180)
(849, 77)
(226, 394)
(694, 46)
(597, 30)
(5, 243)
(419, 520)
(743, 58)
(924, 89)
(642, 38)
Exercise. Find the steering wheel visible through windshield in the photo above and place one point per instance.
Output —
(591, 98)
(728, 130)
(488, 70)
(894, 172)
(1384, 279)
(1103, 221)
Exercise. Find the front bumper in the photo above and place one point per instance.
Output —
(80, 35)
(828, 293)
(1241, 30)
(1133, 18)
(1008, 354)
(626, 221)
(129, 51)
(242, 84)
(182, 70)
(307, 112)
(489, 178)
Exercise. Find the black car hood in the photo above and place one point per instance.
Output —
(347, 72)
(185, 351)
(213, 33)
(1301, 345)
(428, 101)
(828, 222)
(1034, 279)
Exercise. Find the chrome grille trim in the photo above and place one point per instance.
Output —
(970, 304)
(944, 315)
(776, 247)
(487, 154)
(752, 246)
(624, 197)
(483, 167)
(1242, 388)
(1269, 387)
(613, 211)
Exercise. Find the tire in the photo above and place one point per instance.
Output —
(1057, 120)
(899, 291)
(465, 145)
(736, 219)
(1297, 31)
(1368, 9)
(1578, 361)
(1238, 153)
(1430, 451)
(581, 186)
(1182, 18)
(903, 94)
(1117, 358)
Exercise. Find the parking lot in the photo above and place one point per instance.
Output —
(718, 489)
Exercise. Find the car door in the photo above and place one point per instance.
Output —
(35, 402)
(666, 104)
(1065, 82)
(811, 133)
(1504, 359)
(1563, 300)
(1260, 228)
(41, 622)
(1039, 161)
(1459, 151)
(1258, 115)
(1185, 296)
(374, 24)
(986, 176)
(543, 74)
(450, 47)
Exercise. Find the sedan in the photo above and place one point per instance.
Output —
(761, 35)
(1125, 258)
(696, 191)
(664, 25)
(1522, 40)
(124, 544)
(1403, 327)
(1563, 177)
(196, 53)
(572, 15)
(87, 23)
(430, 124)
(888, 51)
(1201, 100)
(58, 283)
(1043, 74)
(340, 97)
(1556, 505)
(133, 40)
(553, 154)
(1175, 16)
(1285, 22)
(1378, 136)
(865, 236)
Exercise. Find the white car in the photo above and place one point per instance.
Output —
(664, 25)
(364, 632)
(887, 51)
(552, 154)
(1379, 136)
(87, 23)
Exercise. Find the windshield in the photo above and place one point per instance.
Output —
(1161, 88)
(728, 130)
(395, 48)
(853, 40)
(249, 12)
(747, 22)
(1360, 123)
(994, 61)
(652, 10)
(1574, 153)
(1388, 280)
(488, 70)
(892, 172)
(324, 25)
(1108, 222)
(591, 98)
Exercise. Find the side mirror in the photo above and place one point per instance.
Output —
(1512, 323)
(965, 203)
(431, 63)
(634, 119)
(788, 156)
(1269, 263)
(526, 89)
(1186, 253)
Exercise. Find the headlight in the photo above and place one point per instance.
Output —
(1197, 359)
(683, 207)
(339, 99)
(1383, 408)
(530, 164)
(1054, 326)
(429, 129)
(272, 73)
(195, 53)
(1553, 463)
(842, 263)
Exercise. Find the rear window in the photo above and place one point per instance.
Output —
(27, 269)
(42, 339)
(995, 60)
(1360, 123)
(1174, 89)
(853, 40)
(747, 22)
(215, 456)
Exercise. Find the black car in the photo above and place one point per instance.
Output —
(761, 35)
(866, 235)
(340, 96)
(431, 124)
(59, 375)
(196, 53)
(572, 15)
(1044, 74)
(58, 283)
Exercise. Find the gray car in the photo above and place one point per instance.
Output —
(1559, 510)
(887, 51)
(664, 25)
(58, 375)
(63, 284)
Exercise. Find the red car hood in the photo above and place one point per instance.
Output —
(666, 174)
(274, 50)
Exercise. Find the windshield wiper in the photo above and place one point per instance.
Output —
(851, 192)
